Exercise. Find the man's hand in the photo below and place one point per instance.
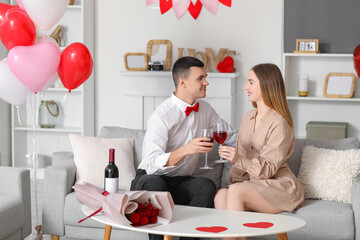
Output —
(228, 153)
(197, 145)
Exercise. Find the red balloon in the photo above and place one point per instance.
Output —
(4, 8)
(357, 60)
(17, 29)
(75, 66)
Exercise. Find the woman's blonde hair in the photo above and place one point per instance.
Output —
(273, 89)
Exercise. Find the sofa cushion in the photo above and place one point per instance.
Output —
(119, 132)
(11, 215)
(328, 174)
(91, 156)
(338, 144)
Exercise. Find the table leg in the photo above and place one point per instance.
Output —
(167, 237)
(282, 236)
(107, 232)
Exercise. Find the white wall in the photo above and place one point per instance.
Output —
(5, 120)
(253, 28)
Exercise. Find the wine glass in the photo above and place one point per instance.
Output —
(220, 135)
(206, 133)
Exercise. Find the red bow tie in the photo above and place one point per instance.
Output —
(190, 109)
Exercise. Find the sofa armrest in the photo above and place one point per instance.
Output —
(16, 182)
(58, 180)
(356, 206)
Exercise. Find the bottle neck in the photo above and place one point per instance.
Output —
(112, 155)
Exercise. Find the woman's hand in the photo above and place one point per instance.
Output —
(228, 153)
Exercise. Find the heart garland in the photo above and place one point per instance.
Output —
(194, 9)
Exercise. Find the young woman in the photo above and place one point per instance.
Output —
(260, 179)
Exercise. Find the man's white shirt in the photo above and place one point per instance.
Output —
(169, 128)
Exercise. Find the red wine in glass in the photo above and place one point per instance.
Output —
(206, 133)
(220, 135)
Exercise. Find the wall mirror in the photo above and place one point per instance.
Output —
(160, 50)
(136, 62)
(339, 85)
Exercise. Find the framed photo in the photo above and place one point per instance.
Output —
(339, 85)
(159, 50)
(136, 61)
(307, 46)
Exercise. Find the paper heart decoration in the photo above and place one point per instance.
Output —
(165, 5)
(180, 8)
(34, 65)
(213, 229)
(210, 5)
(259, 225)
(149, 2)
(194, 10)
(226, 66)
(226, 2)
(357, 60)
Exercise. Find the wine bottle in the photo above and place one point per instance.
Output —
(111, 174)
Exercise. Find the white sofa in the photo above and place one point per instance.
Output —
(325, 219)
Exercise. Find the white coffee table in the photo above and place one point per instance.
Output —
(186, 219)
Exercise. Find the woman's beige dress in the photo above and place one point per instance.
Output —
(261, 160)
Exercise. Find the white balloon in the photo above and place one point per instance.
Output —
(45, 13)
(11, 89)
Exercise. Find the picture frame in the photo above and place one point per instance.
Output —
(339, 85)
(160, 50)
(307, 46)
(136, 61)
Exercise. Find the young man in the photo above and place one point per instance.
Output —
(172, 144)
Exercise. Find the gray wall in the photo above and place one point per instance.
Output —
(336, 23)
(5, 120)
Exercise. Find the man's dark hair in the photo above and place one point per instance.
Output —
(182, 67)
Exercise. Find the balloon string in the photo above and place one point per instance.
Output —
(64, 98)
(35, 160)
(19, 114)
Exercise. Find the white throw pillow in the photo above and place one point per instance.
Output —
(91, 156)
(328, 174)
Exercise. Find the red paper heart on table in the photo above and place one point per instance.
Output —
(259, 225)
(357, 60)
(226, 66)
(213, 229)
(165, 5)
(226, 2)
(194, 10)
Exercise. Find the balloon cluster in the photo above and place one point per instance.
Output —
(35, 64)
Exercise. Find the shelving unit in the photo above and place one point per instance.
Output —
(156, 86)
(316, 107)
(76, 112)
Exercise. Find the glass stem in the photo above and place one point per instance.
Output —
(206, 160)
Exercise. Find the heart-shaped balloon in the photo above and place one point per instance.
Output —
(75, 66)
(211, 5)
(259, 225)
(11, 89)
(357, 60)
(213, 229)
(165, 5)
(180, 7)
(3, 9)
(17, 29)
(194, 10)
(45, 13)
(226, 66)
(34, 65)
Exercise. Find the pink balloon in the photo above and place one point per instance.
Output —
(20, 4)
(34, 65)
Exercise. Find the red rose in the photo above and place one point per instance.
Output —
(157, 212)
(134, 218)
(149, 207)
(144, 221)
(147, 214)
(153, 219)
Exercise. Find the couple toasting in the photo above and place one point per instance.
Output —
(260, 179)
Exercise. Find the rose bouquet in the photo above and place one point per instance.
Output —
(144, 214)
